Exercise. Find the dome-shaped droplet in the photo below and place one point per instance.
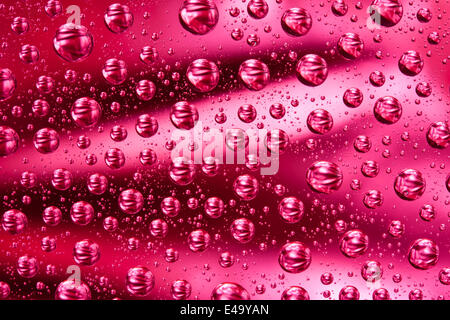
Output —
(5, 290)
(277, 111)
(229, 291)
(246, 187)
(148, 55)
(381, 294)
(377, 78)
(145, 90)
(140, 281)
(247, 113)
(72, 290)
(349, 293)
(370, 168)
(86, 112)
(73, 42)
(53, 8)
(255, 74)
(46, 140)
(29, 54)
(427, 212)
(354, 243)
(82, 213)
(61, 179)
(181, 290)
(183, 115)
(20, 25)
(226, 259)
(438, 135)
(386, 12)
(277, 141)
(131, 201)
(110, 224)
(424, 15)
(410, 184)
(423, 89)
(9, 141)
(295, 257)
(199, 240)
(182, 171)
(115, 158)
(444, 276)
(291, 209)
(353, 97)
(7, 84)
(45, 84)
(296, 22)
(115, 71)
(198, 16)
(118, 133)
(295, 293)
(320, 121)
(324, 177)
(211, 166)
(362, 144)
(214, 207)
(257, 9)
(146, 125)
(350, 45)
(86, 252)
(14, 221)
(373, 199)
(423, 254)
(118, 18)
(371, 271)
(339, 8)
(40, 108)
(28, 179)
(170, 206)
(312, 70)
(387, 110)
(27, 266)
(147, 157)
(52, 216)
(203, 75)
(243, 230)
(411, 63)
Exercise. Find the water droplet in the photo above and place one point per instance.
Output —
(203, 75)
(324, 177)
(198, 16)
(350, 45)
(387, 110)
(386, 12)
(410, 184)
(73, 42)
(296, 22)
(86, 112)
(423, 254)
(312, 70)
(118, 18)
(410, 63)
(183, 115)
(295, 257)
(140, 281)
(229, 291)
(354, 243)
(255, 74)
